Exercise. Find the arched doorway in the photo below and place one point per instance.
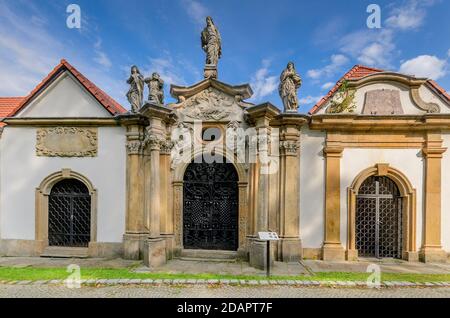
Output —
(210, 206)
(69, 214)
(379, 218)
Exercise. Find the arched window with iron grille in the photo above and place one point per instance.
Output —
(69, 214)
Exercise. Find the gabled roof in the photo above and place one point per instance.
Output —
(361, 71)
(104, 99)
(357, 72)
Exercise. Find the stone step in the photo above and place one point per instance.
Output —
(212, 260)
(208, 255)
(65, 252)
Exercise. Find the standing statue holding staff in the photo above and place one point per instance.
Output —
(290, 82)
(155, 88)
(135, 94)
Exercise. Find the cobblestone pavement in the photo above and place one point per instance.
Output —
(162, 291)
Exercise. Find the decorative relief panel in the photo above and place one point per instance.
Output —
(211, 105)
(66, 142)
(383, 102)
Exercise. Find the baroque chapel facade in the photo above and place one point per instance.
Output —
(364, 174)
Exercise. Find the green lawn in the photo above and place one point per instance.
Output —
(30, 273)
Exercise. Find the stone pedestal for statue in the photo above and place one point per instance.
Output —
(133, 245)
(210, 71)
(155, 252)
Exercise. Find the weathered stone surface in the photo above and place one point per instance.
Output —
(383, 102)
(66, 142)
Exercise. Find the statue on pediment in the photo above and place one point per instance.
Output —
(290, 82)
(155, 89)
(135, 94)
(211, 43)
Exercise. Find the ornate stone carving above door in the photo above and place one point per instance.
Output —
(211, 105)
(66, 142)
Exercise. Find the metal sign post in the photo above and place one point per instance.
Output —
(268, 236)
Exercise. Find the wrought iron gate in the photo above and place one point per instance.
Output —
(379, 219)
(210, 207)
(69, 214)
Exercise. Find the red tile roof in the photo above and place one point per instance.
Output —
(104, 99)
(358, 71)
(8, 105)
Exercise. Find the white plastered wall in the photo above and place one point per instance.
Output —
(65, 97)
(22, 172)
(312, 188)
(445, 209)
(408, 161)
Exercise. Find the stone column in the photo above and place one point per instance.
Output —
(135, 231)
(167, 216)
(291, 247)
(155, 246)
(431, 250)
(261, 116)
(332, 248)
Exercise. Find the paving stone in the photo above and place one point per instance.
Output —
(112, 281)
(291, 282)
(225, 281)
(134, 281)
(167, 281)
(40, 282)
(282, 282)
(147, 281)
(201, 281)
(24, 282)
(234, 282)
(253, 282)
(242, 282)
(429, 284)
(158, 281)
(123, 281)
(264, 282)
(55, 281)
(191, 281)
(213, 281)
(90, 281)
(101, 281)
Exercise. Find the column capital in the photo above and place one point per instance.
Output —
(289, 147)
(333, 151)
(433, 152)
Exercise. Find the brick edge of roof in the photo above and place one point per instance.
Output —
(103, 98)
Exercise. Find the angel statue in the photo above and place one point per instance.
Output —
(290, 82)
(155, 88)
(135, 94)
(211, 42)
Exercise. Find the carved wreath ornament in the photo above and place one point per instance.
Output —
(66, 142)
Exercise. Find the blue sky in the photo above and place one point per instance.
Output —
(324, 38)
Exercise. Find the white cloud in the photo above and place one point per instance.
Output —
(327, 86)
(448, 53)
(101, 57)
(196, 11)
(262, 83)
(337, 62)
(370, 47)
(409, 16)
(425, 66)
(167, 68)
(308, 100)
